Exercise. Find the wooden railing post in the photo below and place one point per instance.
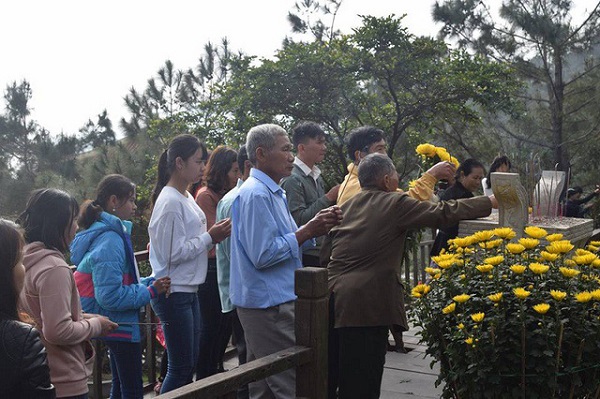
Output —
(312, 321)
(97, 390)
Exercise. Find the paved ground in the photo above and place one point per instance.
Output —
(406, 375)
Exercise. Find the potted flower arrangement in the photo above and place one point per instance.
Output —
(509, 318)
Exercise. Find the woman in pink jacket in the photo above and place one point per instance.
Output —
(50, 295)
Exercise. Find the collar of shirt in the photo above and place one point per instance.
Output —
(315, 172)
(266, 180)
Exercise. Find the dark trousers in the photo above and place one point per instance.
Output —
(215, 330)
(126, 369)
(356, 360)
(240, 345)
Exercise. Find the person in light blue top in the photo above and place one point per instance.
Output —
(265, 252)
(224, 266)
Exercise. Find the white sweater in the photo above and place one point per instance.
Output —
(174, 212)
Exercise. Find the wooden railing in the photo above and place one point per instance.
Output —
(308, 357)
(418, 260)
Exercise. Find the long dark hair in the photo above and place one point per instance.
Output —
(110, 185)
(48, 214)
(496, 163)
(217, 168)
(182, 146)
(11, 252)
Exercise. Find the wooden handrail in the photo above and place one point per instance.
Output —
(309, 356)
(223, 383)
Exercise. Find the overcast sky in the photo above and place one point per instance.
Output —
(81, 57)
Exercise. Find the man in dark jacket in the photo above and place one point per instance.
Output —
(304, 188)
(364, 270)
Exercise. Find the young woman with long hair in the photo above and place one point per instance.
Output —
(220, 176)
(179, 245)
(50, 295)
(23, 362)
(109, 281)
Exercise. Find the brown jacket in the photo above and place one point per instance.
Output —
(367, 247)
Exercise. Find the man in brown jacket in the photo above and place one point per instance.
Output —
(364, 271)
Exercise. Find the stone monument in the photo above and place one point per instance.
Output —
(546, 195)
(513, 209)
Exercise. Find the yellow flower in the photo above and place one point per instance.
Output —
(412, 184)
(583, 297)
(461, 242)
(518, 269)
(595, 243)
(529, 243)
(515, 248)
(449, 309)
(585, 259)
(445, 264)
(461, 298)
(596, 263)
(541, 308)
(454, 162)
(560, 247)
(581, 251)
(478, 317)
(443, 258)
(547, 256)
(442, 153)
(485, 268)
(539, 268)
(570, 263)
(535, 232)
(491, 244)
(494, 260)
(483, 235)
(554, 237)
(420, 290)
(596, 295)
(568, 272)
(460, 326)
(592, 248)
(495, 297)
(432, 271)
(469, 341)
(505, 232)
(426, 149)
(462, 276)
(521, 293)
(437, 276)
(558, 295)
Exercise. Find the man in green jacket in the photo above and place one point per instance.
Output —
(304, 188)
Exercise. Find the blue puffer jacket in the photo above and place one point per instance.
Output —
(107, 278)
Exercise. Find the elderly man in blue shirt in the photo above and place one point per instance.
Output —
(265, 252)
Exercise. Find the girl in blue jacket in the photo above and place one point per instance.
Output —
(108, 279)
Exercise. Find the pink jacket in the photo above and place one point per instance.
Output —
(50, 297)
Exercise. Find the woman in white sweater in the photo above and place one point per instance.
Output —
(179, 245)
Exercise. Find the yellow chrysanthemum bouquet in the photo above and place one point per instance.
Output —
(431, 154)
(516, 318)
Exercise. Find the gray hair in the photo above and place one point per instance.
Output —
(373, 167)
(262, 136)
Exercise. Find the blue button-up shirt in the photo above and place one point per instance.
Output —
(264, 248)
